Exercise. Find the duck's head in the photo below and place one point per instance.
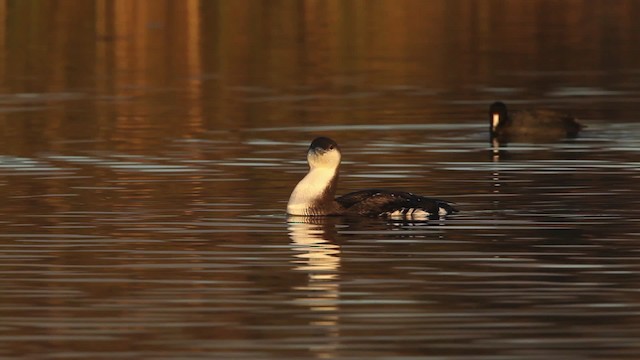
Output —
(497, 116)
(323, 153)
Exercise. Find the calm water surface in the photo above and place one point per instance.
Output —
(144, 181)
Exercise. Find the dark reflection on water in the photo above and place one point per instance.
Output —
(147, 151)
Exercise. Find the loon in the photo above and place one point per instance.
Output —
(315, 193)
(537, 125)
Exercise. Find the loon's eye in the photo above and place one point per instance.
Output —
(330, 147)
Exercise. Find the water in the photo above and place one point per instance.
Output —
(146, 161)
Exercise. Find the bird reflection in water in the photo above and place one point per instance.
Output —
(318, 256)
(496, 152)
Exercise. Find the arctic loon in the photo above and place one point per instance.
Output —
(315, 194)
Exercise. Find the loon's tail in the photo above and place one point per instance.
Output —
(445, 207)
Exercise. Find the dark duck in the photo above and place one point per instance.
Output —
(315, 194)
(535, 125)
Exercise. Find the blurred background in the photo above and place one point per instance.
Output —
(135, 72)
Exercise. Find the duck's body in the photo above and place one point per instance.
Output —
(315, 193)
(536, 125)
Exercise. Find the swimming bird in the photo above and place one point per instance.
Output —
(536, 125)
(315, 194)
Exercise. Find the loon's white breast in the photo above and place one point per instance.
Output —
(310, 191)
(315, 194)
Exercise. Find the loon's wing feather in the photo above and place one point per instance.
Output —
(387, 203)
(350, 199)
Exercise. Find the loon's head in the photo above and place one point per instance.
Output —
(323, 153)
(497, 115)
(315, 193)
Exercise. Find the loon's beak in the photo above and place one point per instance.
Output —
(320, 150)
(315, 150)
(323, 157)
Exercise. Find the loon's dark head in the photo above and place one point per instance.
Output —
(498, 116)
(323, 152)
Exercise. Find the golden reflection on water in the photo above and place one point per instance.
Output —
(185, 67)
(318, 256)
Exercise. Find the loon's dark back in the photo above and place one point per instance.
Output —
(380, 202)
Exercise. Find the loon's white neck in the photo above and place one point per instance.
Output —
(315, 193)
